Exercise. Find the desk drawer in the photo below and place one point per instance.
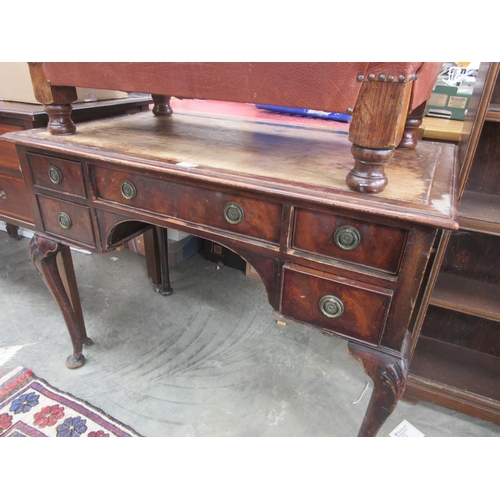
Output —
(57, 174)
(67, 220)
(221, 210)
(14, 199)
(351, 240)
(8, 152)
(340, 306)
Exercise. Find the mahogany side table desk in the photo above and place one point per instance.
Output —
(349, 264)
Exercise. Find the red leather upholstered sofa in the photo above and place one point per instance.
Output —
(386, 100)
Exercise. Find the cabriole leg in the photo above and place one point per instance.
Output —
(389, 374)
(54, 263)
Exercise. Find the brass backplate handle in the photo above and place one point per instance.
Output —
(55, 175)
(331, 306)
(64, 220)
(128, 190)
(233, 213)
(347, 237)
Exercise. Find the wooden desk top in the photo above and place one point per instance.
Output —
(287, 160)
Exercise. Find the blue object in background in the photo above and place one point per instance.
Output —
(340, 117)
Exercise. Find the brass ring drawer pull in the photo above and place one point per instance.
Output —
(55, 175)
(347, 238)
(233, 213)
(64, 220)
(331, 306)
(128, 190)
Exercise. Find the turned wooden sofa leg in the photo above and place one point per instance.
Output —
(161, 106)
(413, 122)
(368, 173)
(57, 101)
(60, 122)
(376, 128)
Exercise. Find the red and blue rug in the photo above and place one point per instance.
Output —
(30, 407)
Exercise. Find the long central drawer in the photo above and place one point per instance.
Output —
(239, 214)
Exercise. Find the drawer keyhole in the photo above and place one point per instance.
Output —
(128, 190)
(347, 237)
(233, 213)
(331, 306)
(55, 175)
(64, 220)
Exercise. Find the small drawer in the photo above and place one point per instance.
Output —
(14, 199)
(351, 240)
(8, 152)
(238, 214)
(341, 306)
(67, 220)
(57, 174)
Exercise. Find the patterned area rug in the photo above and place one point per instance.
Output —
(29, 406)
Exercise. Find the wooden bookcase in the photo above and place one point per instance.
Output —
(456, 362)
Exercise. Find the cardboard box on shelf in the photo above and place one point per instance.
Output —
(182, 249)
(15, 85)
(136, 245)
(174, 235)
(448, 102)
(250, 272)
(222, 256)
(178, 250)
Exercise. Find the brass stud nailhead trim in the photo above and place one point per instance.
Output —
(383, 78)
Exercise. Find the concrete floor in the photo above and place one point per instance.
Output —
(210, 360)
